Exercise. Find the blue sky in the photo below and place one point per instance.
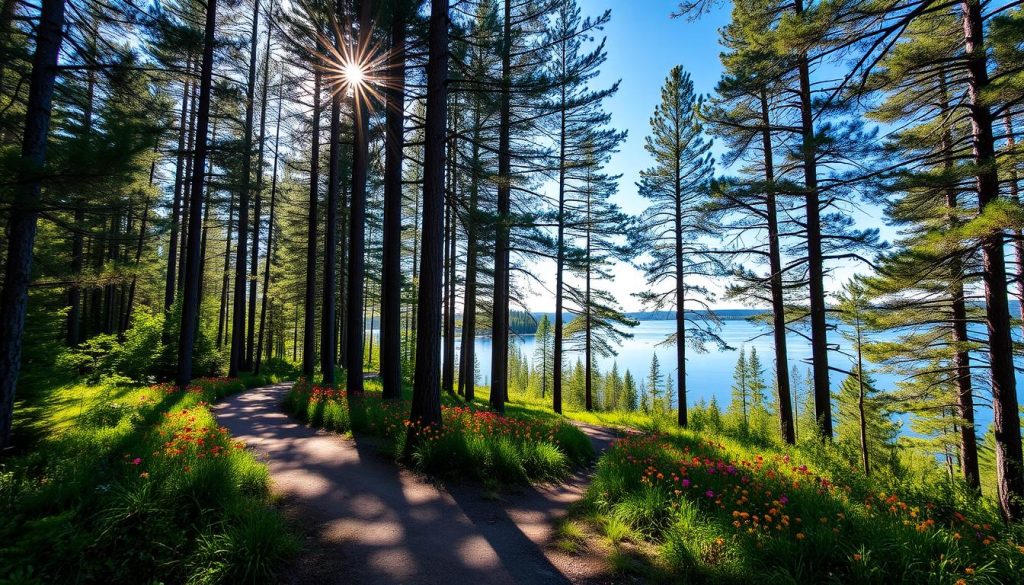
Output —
(643, 44)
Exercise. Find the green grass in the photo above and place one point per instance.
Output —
(132, 484)
(530, 406)
(569, 536)
(522, 446)
(712, 509)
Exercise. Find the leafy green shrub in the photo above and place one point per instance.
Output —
(92, 358)
(141, 356)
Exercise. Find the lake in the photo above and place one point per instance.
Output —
(707, 374)
(710, 374)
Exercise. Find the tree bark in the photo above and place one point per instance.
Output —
(588, 351)
(467, 361)
(192, 276)
(775, 265)
(241, 269)
(328, 309)
(78, 237)
(1009, 464)
(170, 284)
(681, 412)
(225, 276)
(24, 211)
(309, 323)
(448, 369)
(391, 282)
(499, 311)
(861, 410)
(126, 322)
(556, 378)
(250, 344)
(815, 261)
(270, 237)
(357, 217)
(961, 362)
(206, 219)
(186, 188)
(1018, 236)
(426, 396)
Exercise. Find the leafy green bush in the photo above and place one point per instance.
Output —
(141, 355)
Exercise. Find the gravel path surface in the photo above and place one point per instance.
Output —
(367, 521)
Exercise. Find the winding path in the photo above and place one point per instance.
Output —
(369, 522)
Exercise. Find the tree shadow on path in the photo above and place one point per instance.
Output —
(371, 522)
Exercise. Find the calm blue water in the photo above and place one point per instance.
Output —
(707, 374)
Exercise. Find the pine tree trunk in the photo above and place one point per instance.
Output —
(556, 380)
(77, 263)
(1009, 464)
(961, 362)
(357, 219)
(775, 265)
(681, 412)
(861, 410)
(448, 364)
(588, 308)
(108, 289)
(815, 262)
(170, 285)
(327, 314)
(410, 342)
(238, 322)
(270, 241)
(206, 219)
(426, 397)
(225, 284)
(186, 188)
(340, 323)
(78, 237)
(206, 227)
(24, 210)
(309, 321)
(499, 310)
(391, 283)
(129, 303)
(192, 276)
(254, 255)
(467, 373)
(1018, 236)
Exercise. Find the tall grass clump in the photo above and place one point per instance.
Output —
(140, 486)
(472, 442)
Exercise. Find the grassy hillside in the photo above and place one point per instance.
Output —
(706, 508)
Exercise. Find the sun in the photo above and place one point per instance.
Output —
(354, 74)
